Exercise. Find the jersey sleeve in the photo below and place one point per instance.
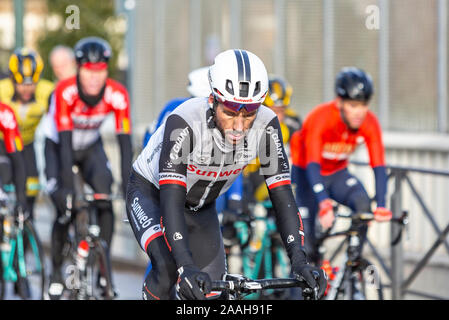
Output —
(373, 138)
(121, 106)
(63, 118)
(276, 170)
(10, 129)
(313, 141)
(178, 144)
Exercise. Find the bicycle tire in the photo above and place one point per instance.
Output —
(99, 268)
(371, 291)
(35, 276)
(354, 285)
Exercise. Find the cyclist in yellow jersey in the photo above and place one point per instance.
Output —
(277, 99)
(28, 96)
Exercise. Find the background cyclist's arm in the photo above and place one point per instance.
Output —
(372, 133)
(178, 143)
(64, 125)
(275, 168)
(121, 109)
(14, 147)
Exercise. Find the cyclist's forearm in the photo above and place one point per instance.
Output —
(380, 175)
(289, 222)
(172, 210)
(66, 154)
(316, 181)
(19, 176)
(126, 155)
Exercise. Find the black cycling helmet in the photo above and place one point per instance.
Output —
(354, 84)
(93, 53)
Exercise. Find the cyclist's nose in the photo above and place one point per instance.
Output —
(239, 123)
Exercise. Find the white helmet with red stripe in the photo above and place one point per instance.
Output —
(238, 76)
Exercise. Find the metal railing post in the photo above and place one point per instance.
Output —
(397, 267)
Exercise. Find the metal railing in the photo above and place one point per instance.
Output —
(399, 285)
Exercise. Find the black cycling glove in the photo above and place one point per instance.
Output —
(314, 276)
(192, 283)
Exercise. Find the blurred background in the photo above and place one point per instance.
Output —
(403, 44)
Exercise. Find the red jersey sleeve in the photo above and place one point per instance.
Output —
(64, 94)
(295, 145)
(313, 139)
(372, 132)
(118, 98)
(10, 130)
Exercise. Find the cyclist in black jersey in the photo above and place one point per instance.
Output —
(193, 158)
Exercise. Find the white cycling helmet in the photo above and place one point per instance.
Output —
(198, 83)
(238, 78)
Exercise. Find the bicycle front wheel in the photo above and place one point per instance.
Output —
(99, 272)
(367, 280)
(361, 282)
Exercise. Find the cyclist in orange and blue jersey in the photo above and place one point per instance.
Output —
(320, 151)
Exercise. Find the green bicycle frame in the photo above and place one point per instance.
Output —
(9, 271)
(252, 262)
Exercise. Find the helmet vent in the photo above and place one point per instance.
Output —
(257, 89)
(229, 86)
(244, 89)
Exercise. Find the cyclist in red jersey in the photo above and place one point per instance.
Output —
(320, 152)
(13, 146)
(82, 103)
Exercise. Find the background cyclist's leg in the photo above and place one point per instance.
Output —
(59, 231)
(5, 166)
(349, 191)
(97, 173)
(142, 208)
(32, 183)
(308, 207)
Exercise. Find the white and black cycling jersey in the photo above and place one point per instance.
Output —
(188, 160)
(199, 158)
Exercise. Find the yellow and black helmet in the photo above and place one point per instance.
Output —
(25, 66)
(279, 92)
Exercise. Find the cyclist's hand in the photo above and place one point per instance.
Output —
(192, 283)
(315, 277)
(22, 208)
(64, 199)
(382, 214)
(326, 213)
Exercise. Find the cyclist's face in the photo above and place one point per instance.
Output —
(25, 91)
(63, 65)
(354, 112)
(234, 125)
(92, 81)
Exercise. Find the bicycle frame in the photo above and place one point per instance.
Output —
(353, 260)
(13, 256)
(254, 261)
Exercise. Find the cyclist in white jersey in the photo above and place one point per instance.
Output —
(193, 158)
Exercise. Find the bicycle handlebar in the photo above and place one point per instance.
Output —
(88, 198)
(244, 285)
(369, 216)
